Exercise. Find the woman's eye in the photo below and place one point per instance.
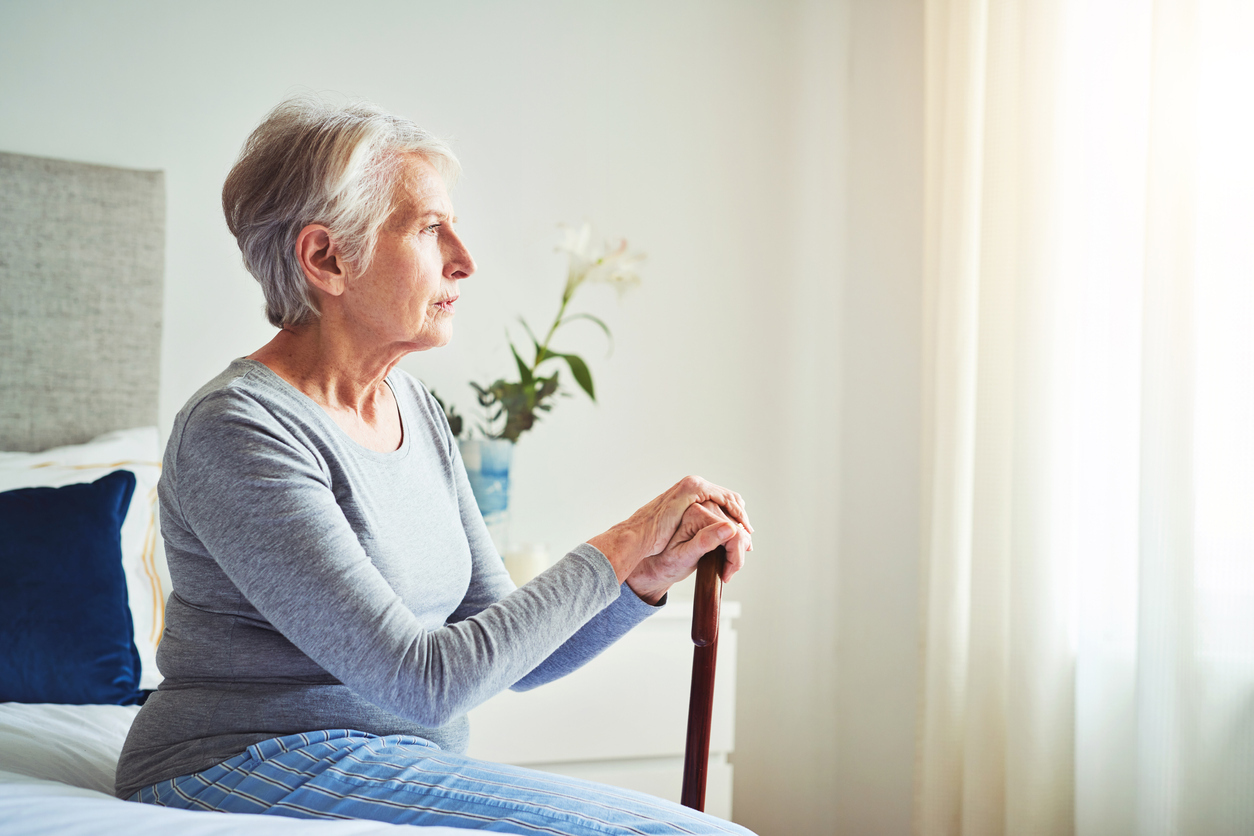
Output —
(433, 228)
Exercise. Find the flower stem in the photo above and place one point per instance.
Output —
(543, 353)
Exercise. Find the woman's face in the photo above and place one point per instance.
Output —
(407, 295)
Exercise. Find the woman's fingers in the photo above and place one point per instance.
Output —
(714, 528)
(660, 519)
(733, 505)
(702, 527)
(675, 518)
(699, 531)
(694, 489)
(737, 546)
(653, 527)
(740, 515)
(731, 538)
(710, 538)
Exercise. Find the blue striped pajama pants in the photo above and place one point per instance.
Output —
(409, 780)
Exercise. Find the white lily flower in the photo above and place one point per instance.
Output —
(577, 241)
(610, 263)
(616, 267)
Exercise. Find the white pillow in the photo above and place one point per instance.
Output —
(143, 556)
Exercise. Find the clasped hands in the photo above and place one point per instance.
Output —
(661, 543)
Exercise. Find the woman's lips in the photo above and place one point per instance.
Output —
(446, 305)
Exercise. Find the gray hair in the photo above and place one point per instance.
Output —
(312, 162)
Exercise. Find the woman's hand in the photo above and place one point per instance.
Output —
(704, 527)
(649, 531)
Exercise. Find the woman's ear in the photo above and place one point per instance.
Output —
(320, 260)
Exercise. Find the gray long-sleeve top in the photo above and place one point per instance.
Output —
(322, 585)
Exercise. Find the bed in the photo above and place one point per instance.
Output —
(81, 268)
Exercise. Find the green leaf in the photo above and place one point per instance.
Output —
(580, 370)
(527, 328)
(523, 371)
(548, 387)
(597, 320)
(540, 353)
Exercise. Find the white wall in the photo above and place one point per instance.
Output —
(837, 660)
(764, 154)
(881, 326)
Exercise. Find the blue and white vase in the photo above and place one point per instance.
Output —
(487, 463)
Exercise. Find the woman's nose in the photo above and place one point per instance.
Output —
(458, 262)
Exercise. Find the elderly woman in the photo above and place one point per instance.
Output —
(338, 605)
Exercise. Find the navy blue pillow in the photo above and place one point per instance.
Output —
(65, 627)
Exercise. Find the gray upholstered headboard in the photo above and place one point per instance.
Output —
(82, 252)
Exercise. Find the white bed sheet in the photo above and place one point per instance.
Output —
(56, 777)
(74, 744)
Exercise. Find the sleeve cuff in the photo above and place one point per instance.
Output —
(635, 603)
(627, 598)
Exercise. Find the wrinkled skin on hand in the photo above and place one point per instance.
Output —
(703, 527)
(662, 542)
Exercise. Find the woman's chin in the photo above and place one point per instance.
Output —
(433, 338)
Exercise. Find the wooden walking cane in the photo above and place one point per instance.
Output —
(705, 618)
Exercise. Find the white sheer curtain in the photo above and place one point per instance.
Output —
(1088, 629)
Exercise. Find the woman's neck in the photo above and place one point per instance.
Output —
(347, 382)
